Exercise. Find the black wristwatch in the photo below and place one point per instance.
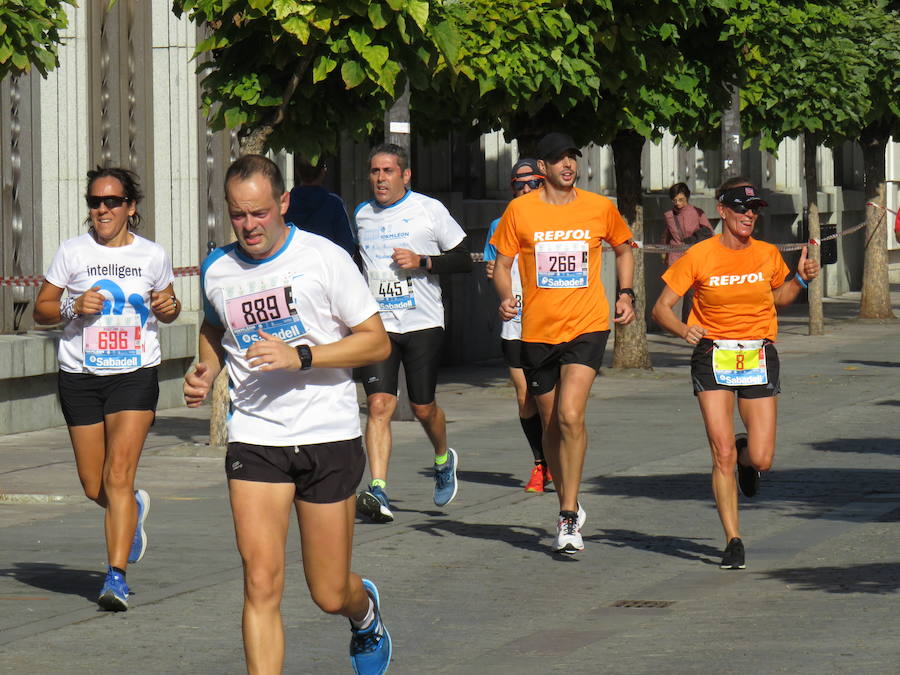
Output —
(629, 292)
(305, 354)
(423, 262)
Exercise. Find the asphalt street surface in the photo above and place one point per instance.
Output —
(474, 587)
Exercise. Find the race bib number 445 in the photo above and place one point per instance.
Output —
(271, 310)
(561, 264)
(392, 290)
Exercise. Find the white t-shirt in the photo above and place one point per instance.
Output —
(407, 299)
(309, 292)
(124, 336)
(511, 329)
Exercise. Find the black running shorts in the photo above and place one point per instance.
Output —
(86, 398)
(704, 380)
(512, 353)
(542, 362)
(420, 353)
(323, 473)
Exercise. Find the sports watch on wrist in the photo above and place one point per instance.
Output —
(627, 291)
(305, 354)
(423, 262)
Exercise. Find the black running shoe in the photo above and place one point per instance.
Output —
(748, 477)
(733, 558)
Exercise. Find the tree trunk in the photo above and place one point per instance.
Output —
(630, 347)
(810, 176)
(875, 302)
(731, 138)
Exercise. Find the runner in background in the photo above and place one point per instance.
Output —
(406, 240)
(738, 283)
(118, 285)
(525, 178)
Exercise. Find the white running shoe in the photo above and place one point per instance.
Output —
(582, 516)
(568, 537)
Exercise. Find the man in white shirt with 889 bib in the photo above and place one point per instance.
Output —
(289, 314)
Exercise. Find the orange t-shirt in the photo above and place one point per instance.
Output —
(733, 297)
(559, 249)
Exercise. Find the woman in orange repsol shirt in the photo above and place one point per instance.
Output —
(738, 282)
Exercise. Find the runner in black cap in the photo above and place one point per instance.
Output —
(558, 232)
(738, 282)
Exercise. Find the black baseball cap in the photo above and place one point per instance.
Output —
(742, 195)
(531, 164)
(554, 145)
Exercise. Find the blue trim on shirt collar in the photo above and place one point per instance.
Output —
(376, 205)
(239, 252)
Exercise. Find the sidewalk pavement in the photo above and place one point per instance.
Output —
(473, 587)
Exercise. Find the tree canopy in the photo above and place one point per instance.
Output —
(306, 72)
(29, 35)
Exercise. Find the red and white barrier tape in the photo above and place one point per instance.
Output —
(193, 271)
(37, 280)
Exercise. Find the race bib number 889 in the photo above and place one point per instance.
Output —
(271, 310)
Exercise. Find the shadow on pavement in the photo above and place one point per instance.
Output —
(799, 493)
(57, 578)
(677, 547)
(876, 364)
(886, 446)
(184, 428)
(891, 402)
(520, 536)
(876, 578)
(483, 477)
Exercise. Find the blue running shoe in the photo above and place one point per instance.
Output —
(370, 649)
(114, 594)
(445, 479)
(139, 541)
(374, 504)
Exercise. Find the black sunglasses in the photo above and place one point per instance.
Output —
(534, 184)
(94, 202)
(743, 208)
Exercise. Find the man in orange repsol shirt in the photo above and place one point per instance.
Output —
(738, 282)
(557, 232)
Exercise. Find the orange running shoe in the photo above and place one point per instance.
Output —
(538, 479)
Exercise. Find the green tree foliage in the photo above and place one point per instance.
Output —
(305, 72)
(29, 35)
(803, 71)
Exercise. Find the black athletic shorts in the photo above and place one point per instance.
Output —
(322, 473)
(86, 398)
(704, 380)
(542, 362)
(512, 353)
(420, 353)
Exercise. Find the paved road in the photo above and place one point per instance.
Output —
(473, 588)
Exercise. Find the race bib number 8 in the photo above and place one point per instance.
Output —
(113, 342)
(392, 290)
(271, 310)
(740, 363)
(561, 264)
